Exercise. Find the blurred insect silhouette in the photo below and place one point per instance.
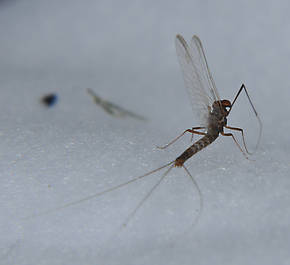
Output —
(211, 111)
(113, 109)
(49, 100)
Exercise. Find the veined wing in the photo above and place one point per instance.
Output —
(197, 52)
(197, 77)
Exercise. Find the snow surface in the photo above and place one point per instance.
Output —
(124, 50)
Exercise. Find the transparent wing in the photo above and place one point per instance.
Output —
(197, 77)
(198, 51)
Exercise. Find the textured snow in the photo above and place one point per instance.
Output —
(125, 52)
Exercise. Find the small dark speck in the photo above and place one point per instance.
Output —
(49, 100)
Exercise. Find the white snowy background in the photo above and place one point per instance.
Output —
(124, 50)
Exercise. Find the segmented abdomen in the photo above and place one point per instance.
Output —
(196, 147)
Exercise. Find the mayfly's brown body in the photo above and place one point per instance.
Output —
(196, 147)
(216, 122)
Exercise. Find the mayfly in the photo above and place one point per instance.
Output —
(211, 111)
(112, 108)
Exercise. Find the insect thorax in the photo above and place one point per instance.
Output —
(216, 121)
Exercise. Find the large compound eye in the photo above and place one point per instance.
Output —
(226, 104)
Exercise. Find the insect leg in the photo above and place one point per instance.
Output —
(192, 131)
(230, 134)
(240, 90)
(256, 113)
(195, 132)
(242, 131)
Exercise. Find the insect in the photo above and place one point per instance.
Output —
(49, 100)
(211, 111)
(113, 109)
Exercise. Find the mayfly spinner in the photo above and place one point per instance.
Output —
(112, 108)
(211, 111)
